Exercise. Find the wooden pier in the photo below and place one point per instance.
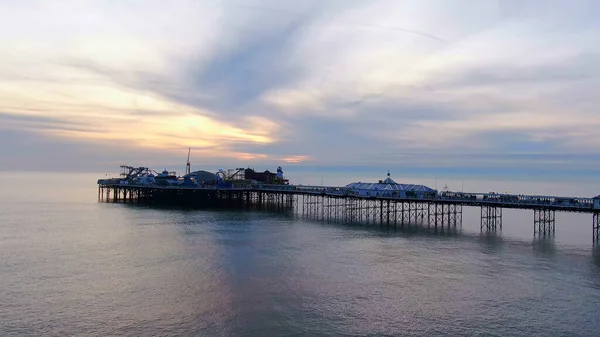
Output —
(344, 205)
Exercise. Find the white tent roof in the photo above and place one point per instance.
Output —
(389, 185)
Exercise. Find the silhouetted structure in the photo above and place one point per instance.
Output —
(265, 177)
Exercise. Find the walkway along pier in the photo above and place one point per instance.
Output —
(394, 205)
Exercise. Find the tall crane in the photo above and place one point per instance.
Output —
(188, 166)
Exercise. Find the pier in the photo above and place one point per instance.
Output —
(385, 203)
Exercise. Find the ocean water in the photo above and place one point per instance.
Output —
(72, 266)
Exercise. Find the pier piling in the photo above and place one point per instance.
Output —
(596, 227)
(491, 217)
(544, 221)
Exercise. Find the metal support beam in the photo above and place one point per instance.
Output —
(491, 217)
(444, 214)
(596, 227)
(420, 214)
(380, 212)
(435, 214)
(455, 215)
(544, 221)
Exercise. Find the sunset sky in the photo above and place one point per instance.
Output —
(436, 87)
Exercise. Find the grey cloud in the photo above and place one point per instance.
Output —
(28, 150)
(254, 68)
(581, 67)
(26, 122)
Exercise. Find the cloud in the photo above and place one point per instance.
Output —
(295, 159)
(336, 82)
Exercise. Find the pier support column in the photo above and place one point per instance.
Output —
(354, 210)
(430, 212)
(421, 209)
(455, 215)
(395, 213)
(596, 227)
(412, 213)
(321, 207)
(388, 212)
(415, 211)
(491, 217)
(444, 214)
(544, 221)
(380, 212)
(435, 214)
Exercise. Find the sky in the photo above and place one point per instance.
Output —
(420, 87)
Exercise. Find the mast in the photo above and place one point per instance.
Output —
(188, 166)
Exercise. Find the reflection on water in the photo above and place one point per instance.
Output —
(544, 244)
(596, 255)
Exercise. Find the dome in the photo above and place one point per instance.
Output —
(203, 176)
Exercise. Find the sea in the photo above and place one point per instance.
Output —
(73, 266)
